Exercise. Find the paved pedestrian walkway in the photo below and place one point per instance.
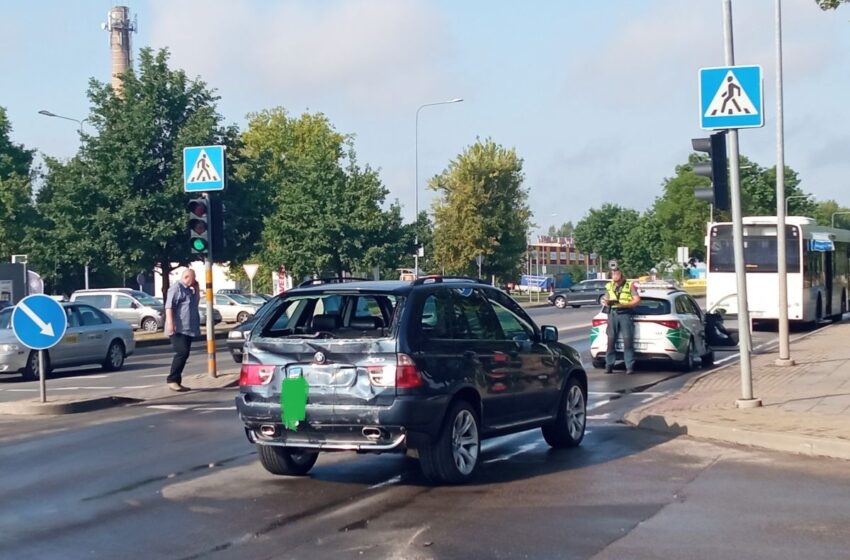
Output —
(806, 407)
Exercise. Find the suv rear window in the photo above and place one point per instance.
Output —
(330, 315)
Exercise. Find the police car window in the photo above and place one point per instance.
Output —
(650, 306)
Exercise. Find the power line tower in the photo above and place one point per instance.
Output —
(120, 27)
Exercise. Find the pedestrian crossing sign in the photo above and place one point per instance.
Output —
(731, 97)
(203, 168)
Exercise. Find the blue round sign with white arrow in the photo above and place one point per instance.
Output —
(39, 322)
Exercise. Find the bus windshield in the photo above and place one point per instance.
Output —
(759, 248)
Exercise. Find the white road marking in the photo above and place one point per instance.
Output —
(213, 408)
(168, 407)
(155, 375)
(394, 480)
(139, 386)
(605, 416)
(597, 404)
(23, 390)
(601, 393)
(519, 450)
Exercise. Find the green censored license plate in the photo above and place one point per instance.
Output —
(293, 399)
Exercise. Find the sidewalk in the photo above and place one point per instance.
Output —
(199, 383)
(144, 339)
(806, 407)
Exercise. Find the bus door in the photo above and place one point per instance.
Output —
(828, 264)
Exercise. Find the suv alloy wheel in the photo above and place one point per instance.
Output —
(453, 456)
(568, 428)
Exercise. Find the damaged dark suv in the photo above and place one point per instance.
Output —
(435, 365)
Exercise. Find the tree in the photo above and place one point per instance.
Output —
(324, 211)
(16, 208)
(120, 202)
(830, 4)
(643, 247)
(603, 231)
(482, 210)
(565, 230)
(824, 211)
(758, 191)
(681, 217)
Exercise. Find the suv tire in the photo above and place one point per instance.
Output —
(454, 455)
(286, 461)
(568, 428)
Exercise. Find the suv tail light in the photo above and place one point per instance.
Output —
(255, 374)
(599, 322)
(403, 375)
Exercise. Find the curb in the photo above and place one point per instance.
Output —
(776, 441)
(30, 408)
(162, 341)
(76, 405)
(680, 424)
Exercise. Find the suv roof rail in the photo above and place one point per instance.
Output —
(438, 279)
(319, 281)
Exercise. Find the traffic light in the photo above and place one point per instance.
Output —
(715, 169)
(216, 222)
(199, 225)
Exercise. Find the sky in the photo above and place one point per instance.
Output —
(600, 99)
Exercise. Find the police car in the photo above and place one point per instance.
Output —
(669, 327)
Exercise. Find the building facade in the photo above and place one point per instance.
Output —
(556, 255)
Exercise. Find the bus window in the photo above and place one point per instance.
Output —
(759, 249)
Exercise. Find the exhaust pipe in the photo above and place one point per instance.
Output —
(268, 430)
(373, 433)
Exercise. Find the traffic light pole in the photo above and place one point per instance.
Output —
(208, 285)
(744, 342)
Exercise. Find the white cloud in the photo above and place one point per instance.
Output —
(373, 54)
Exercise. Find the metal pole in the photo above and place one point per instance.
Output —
(416, 203)
(781, 257)
(208, 284)
(42, 374)
(86, 270)
(745, 342)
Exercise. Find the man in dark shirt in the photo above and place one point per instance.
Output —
(182, 324)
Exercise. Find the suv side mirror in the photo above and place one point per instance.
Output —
(550, 333)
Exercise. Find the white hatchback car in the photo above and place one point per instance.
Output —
(669, 327)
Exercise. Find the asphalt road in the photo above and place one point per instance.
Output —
(149, 366)
(179, 480)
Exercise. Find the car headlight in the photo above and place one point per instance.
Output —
(235, 335)
(10, 348)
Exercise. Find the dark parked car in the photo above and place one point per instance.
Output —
(586, 292)
(434, 365)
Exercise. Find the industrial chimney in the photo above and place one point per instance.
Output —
(119, 26)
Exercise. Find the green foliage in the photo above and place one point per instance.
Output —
(603, 230)
(643, 247)
(482, 210)
(680, 216)
(577, 272)
(120, 203)
(324, 210)
(826, 209)
(830, 4)
(564, 230)
(16, 209)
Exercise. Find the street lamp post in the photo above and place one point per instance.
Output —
(834, 214)
(416, 185)
(787, 198)
(80, 130)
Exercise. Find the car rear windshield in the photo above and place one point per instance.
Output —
(330, 315)
(650, 306)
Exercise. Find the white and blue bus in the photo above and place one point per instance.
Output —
(818, 260)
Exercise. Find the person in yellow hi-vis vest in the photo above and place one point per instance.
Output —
(621, 297)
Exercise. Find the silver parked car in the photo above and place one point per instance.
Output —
(235, 308)
(92, 337)
(141, 310)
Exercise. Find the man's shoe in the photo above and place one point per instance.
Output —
(609, 369)
(177, 387)
(629, 371)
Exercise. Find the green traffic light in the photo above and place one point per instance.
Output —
(199, 245)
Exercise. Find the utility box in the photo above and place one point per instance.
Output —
(13, 282)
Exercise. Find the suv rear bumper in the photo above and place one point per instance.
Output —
(404, 423)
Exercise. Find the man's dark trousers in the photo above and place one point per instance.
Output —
(182, 344)
(620, 324)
